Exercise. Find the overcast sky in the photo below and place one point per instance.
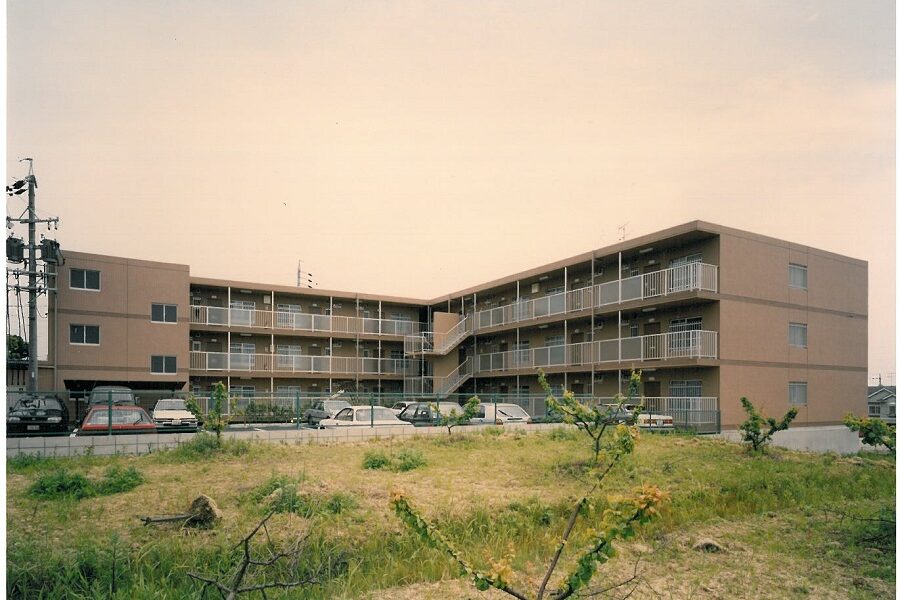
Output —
(417, 148)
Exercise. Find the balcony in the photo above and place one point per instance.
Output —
(285, 363)
(326, 324)
(683, 278)
(660, 346)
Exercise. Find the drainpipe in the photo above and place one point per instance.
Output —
(619, 329)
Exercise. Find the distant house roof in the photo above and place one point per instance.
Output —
(882, 393)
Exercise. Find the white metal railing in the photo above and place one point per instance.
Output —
(689, 277)
(449, 383)
(431, 342)
(242, 317)
(287, 363)
(660, 346)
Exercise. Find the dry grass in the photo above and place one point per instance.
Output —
(787, 552)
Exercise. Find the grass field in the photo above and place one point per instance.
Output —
(777, 516)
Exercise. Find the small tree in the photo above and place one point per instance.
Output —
(456, 417)
(16, 347)
(214, 420)
(758, 429)
(610, 442)
(875, 432)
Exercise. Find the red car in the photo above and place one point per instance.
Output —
(125, 419)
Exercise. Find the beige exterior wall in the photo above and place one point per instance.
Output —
(122, 310)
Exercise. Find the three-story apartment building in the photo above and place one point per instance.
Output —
(707, 313)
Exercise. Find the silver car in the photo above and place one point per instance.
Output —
(323, 409)
(500, 414)
(172, 413)
(363, 416)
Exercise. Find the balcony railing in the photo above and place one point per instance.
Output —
(690, 277)
(660, 346)
(286, 363)
(266, 319)
(429, 342)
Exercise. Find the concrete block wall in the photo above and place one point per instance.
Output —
(103, 445)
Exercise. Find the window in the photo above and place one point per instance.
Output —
(797, 393)
(290, 308)
(554, 340)
(84, 334)
(397, 354)
(164, 313)
(797, 334)
(287, 391)
(84, 279)
(633, 330)
(681, 333)
(288, 349)
(874, 410)
(797, 276)
(162, 364)
(892, 410)
(555, 290)
(688, 388)
(196, 346)
(242, 391)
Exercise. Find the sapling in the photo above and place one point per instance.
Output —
(874, 432)
(759, 429)
(456, 416)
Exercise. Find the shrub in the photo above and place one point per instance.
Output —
(282, 494)
(758, 429)
(409, 459)
(62, 484)
(873, 432)
(376, 460)
(204, 446)
(406, 460)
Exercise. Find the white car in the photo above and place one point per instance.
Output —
(171, 413)
(500, 414)
(362, 416)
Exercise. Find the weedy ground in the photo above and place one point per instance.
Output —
(784, 519)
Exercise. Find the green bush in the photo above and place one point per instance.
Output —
(204, 446)
(376, 460)
(282, 494)
(409, 459)
(61, 484)
(406, 460)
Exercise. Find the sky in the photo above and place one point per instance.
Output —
(418, 148)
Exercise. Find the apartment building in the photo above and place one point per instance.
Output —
(707, 313)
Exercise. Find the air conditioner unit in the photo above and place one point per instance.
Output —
(576, 280)
(336, 345)
(213, 297)
(652, 261)
(267, 300)
(196, 299)
(314, 305)
(314, 346)
(337, 305)
(213, 339)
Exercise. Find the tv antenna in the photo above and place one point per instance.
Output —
(622, 233)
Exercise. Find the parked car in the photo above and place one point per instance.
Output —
(399, 407)
(505, 413)
(362, 416)
(422, 414)
(654, 421)
(623, 413)
(36, 415)
(172, 414)
(125, 419)
(119, 394)
(323, 409)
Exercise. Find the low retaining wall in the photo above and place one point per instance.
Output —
(101, 445)
(834, 438)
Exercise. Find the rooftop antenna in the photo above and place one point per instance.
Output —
(304, 279)
(622, 233)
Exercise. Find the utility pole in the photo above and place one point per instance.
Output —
(49, 254)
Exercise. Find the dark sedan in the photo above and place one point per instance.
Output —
(36, 416)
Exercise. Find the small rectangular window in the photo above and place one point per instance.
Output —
(874, 410)
(162, 364)
(554, 340)
(84, 279)
(797, 393)
(84, 334)
(164, 313)
(797, 335)
(797, 276)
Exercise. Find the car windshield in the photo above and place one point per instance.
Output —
(133, 416)
(381, 414)
(333, 406)
(28, 404)
(172, 404)
(512, 411)
(119, 396)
